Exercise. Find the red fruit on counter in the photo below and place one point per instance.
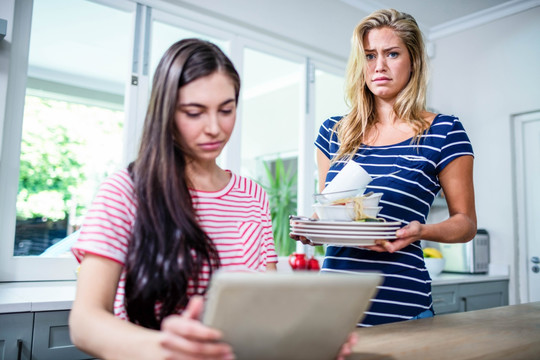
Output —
(313, 264)
(298, 261)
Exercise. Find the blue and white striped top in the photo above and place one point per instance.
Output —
(407, 196)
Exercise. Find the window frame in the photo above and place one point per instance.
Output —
(24, 268)
(33, 268)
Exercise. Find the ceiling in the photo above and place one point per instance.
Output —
(438, 18)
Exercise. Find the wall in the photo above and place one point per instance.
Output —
(484, 76)
(320, 24)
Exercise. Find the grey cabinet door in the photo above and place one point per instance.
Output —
(51, 338)
(445, 299)
(484, 295)
(16, 336)
(469, 296)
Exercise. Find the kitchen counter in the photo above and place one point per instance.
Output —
(36, 296)
(58, 295)
(451, 278)
(507, 332)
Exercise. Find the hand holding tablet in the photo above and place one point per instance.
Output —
(287, 315)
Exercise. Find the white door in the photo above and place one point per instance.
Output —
(527, 146)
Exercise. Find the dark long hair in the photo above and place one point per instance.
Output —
(168, 248)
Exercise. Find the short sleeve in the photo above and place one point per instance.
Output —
(109, 222)
(456, 144)
(269, 245)
(327, 136)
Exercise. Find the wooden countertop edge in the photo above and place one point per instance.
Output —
(507, 332)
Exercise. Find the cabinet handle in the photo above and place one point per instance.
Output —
(19, 349)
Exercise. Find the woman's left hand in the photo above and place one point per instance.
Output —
(405, 236)
(346, 349)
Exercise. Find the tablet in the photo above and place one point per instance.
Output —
(299, 315)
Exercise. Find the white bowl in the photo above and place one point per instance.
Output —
(372, 200)
(342, 212)
(327, 198)
(434, 266)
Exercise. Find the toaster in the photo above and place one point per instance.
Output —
(470, 258)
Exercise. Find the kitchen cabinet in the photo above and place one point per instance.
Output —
(16, 336)
(451, 298)
(40, 335)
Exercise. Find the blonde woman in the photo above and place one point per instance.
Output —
(389, 130)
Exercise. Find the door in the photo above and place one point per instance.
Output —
(527, 152)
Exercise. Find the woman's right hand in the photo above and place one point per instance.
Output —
(185, 337)
(304, 240)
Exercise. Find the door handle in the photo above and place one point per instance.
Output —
(19, 348)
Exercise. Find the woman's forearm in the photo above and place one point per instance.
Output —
(459, 228)
(99, 333)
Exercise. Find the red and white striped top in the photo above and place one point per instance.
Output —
(236, 219)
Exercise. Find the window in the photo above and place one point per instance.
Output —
(71, 133)
(74, 112)
(272, 103)
(73, 117)
(329, 101)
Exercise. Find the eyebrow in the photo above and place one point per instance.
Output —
(228, 101)
(385, 50)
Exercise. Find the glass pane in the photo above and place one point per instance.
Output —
(271, 105)
(329, 96)
(329, 101)
(73, 118)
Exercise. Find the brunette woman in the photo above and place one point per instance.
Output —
(157, 230)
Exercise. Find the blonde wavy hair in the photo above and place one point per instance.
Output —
(410, 102)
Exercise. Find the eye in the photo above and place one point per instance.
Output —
(226, 111)
(192, 115)
(393, 54)
(370, 56)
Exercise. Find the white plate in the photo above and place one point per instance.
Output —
(331, 228)
(371, 232)
(345, 237)
(348, 223)
(322, 240)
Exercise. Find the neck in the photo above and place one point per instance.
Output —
(385, 112)
(206, 176)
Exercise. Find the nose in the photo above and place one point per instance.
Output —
(212, 124)
(381, 64)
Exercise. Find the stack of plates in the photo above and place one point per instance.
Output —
(343, 233)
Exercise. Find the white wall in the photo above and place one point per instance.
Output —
(321, 24)
(484, 76)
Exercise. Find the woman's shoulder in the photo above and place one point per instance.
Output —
(444, 122)
(119, 181)
(246, 185)
(332, 120)
(329, 124)
(246, 191)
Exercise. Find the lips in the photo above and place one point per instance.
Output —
(381, 79)
(210, 146)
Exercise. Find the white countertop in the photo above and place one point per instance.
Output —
(36, 296)
(58, 295)
(450, 278)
